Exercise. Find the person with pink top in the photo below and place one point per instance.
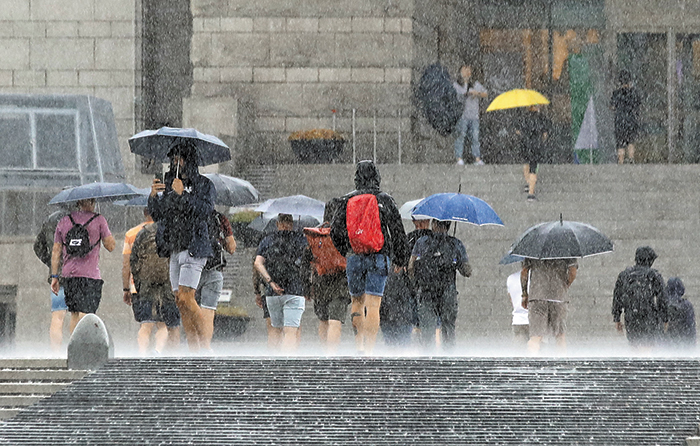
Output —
(80, 274)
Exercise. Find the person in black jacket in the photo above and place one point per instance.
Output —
(367, 273)
(681, 332)
(181, 206)
(639, 293)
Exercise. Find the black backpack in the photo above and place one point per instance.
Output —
(639, 293)
(436, 267)
(78, 239)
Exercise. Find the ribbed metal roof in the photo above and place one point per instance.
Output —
(369, 401)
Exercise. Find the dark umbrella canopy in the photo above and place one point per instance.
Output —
(98, 191)
(232, 191)
(561, 240)
(155, 144)
(438, 99)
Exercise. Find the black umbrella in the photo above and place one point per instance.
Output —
(561, 240)
(438, 99)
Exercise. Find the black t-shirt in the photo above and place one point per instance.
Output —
(287, 261)
(626, 102)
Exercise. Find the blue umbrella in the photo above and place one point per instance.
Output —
(155, 144)
(457, 207)
(295, 205)
(232, 191)
(98, 191)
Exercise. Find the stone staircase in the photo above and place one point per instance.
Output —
(371, 401)
(24, 382)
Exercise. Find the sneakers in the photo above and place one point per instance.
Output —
(526, 188)
(460, 162)
(479, 163)
(531, 197)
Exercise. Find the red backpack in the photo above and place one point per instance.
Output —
(364, 225)
(327, 259)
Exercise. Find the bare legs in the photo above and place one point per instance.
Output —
(191, 314)
(621, 154)
(533, 345)
(365, 320)
(207, 328)
(74, 319)
(530, 179)
(56, 329)
(329, 333)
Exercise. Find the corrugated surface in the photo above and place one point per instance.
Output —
(369, 401)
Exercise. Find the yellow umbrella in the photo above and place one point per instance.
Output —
(517, 98)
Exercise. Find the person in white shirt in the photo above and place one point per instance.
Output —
(521, 325)
(469, 122)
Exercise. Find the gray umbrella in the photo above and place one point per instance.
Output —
(232, 191)
(98, 191)
(267, 222)
(561, 240)
(295, 205)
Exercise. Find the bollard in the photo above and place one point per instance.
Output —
(90, 345)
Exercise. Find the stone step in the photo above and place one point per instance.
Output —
(342, 400)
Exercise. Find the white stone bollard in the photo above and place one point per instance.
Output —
(90, 345)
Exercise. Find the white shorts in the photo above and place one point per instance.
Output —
(185, 270)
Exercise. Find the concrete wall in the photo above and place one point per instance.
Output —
(72, 47)
(288, 65)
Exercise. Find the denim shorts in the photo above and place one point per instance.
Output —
(286, 310)
(185, 270)
(209, 290)
(367, 274)
(58, 301)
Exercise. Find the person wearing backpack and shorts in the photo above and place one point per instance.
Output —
(329, 283)
(282, 260)
(640, 294)
(434, 263)
(76, 243)
(211, 282)
(367, 228)
(153, 301)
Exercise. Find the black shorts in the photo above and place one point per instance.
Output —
(331, 297)
(83, 295)
(156, 303)
(532, 154)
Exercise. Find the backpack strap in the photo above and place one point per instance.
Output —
(85, 226)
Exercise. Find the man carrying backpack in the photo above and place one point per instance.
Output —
(639, 293)
(435, 259)
(368, 225)
(282, 261)
(153, 302)
(329, 284)
(76, 242)
(211, 282)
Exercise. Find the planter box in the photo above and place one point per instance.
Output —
(317, 151)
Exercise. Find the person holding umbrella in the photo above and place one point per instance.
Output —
(469, 121)
(535, 128)
(76, 252)
(181, 205)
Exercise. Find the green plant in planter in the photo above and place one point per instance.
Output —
(241, 232)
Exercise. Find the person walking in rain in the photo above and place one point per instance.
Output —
(534, 129)
(282, 261)
(211, 281)
(399, 309)
(43, 246)
(368, 228)
(435, 259)
(181, 206)
(471, 92)
(640, 294)
(544, 285)
(680, 332)
(153, 301)
(76, 254)
(520, 322)
(625, 102)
